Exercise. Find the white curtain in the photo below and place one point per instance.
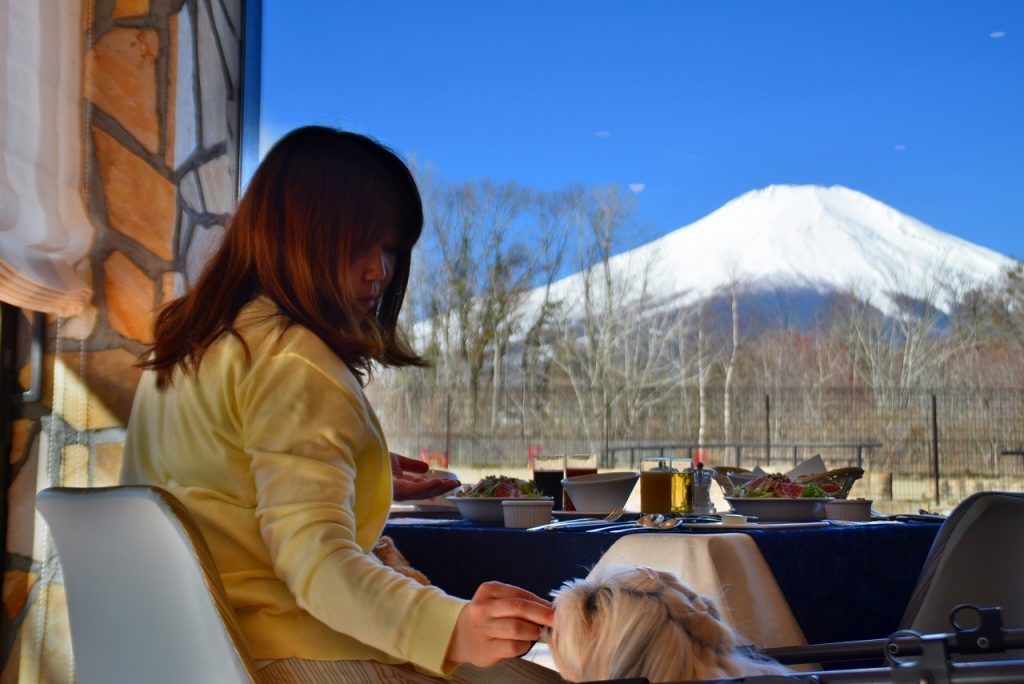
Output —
(44, 227)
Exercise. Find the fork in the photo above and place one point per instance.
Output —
(611, 517)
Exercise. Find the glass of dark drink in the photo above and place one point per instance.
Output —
(548, 471)
(578, 464)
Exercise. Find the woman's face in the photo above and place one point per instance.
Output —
(370, 273)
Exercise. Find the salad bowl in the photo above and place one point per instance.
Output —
(482, 501)
(487, 510)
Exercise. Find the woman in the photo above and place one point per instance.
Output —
(251, 412)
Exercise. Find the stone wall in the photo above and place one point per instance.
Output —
(161, 126)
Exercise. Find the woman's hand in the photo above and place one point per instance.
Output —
(408, 485)
(501, 621)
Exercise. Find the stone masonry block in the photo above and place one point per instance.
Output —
(172, 286)
(181, 103)
(205, 242)
(95, 390)
(130, 8)
(140, 202)
(55, 661)
(75, 470)
(120, 78)
(21, 498)
(20, 431)
(213, 91)
(107, 469)
(217, 178)
(131, 298)
(17, 585)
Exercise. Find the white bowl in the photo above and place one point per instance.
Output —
(770, 509)
(600, 493)
(848, 509)
(526, 512)
(487, 509)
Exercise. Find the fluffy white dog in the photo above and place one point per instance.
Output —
(639, 622)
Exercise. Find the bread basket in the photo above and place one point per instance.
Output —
(837, 482)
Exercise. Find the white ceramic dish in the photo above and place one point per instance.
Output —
(526, 512)
(485, 509)
(768, 509)
(857, 510)
(602, 492)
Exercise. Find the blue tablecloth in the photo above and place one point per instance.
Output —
(842, 583)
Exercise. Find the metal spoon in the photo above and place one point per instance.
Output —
(653, 525)
(651, 521)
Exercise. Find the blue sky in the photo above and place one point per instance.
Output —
(917, 103)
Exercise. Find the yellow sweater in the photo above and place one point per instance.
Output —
(283, 465)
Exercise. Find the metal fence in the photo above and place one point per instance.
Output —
(924, 445)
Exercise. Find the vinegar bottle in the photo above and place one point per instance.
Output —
(656, 488)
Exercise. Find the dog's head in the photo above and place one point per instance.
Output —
(639, 622)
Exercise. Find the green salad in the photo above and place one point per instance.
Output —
(502, 487)
(781, 487)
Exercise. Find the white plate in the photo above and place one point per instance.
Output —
(769, 509)
(431, 505)
(756, 525)
(566, 515)
(434, 503)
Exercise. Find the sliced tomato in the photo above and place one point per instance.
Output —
(789, 490)
(759, 483)
(505, 490)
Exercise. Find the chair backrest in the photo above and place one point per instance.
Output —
(144, 599)
(977, 558)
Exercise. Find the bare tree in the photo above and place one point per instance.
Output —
(704, 363)
(729, 365)
(612, 339)
(1008, 296)
(588, 332)
(484, 271)
(899, 353)
(557, 215)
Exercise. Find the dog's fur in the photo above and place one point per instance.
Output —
(389, 555)
(639, 622)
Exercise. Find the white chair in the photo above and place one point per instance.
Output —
(144, 600)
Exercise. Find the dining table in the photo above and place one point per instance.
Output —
(843, 581)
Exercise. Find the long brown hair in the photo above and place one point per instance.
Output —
(320, 197)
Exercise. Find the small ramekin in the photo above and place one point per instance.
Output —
(521, 513)
(848, 509)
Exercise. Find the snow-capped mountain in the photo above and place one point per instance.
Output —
(804, 238)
